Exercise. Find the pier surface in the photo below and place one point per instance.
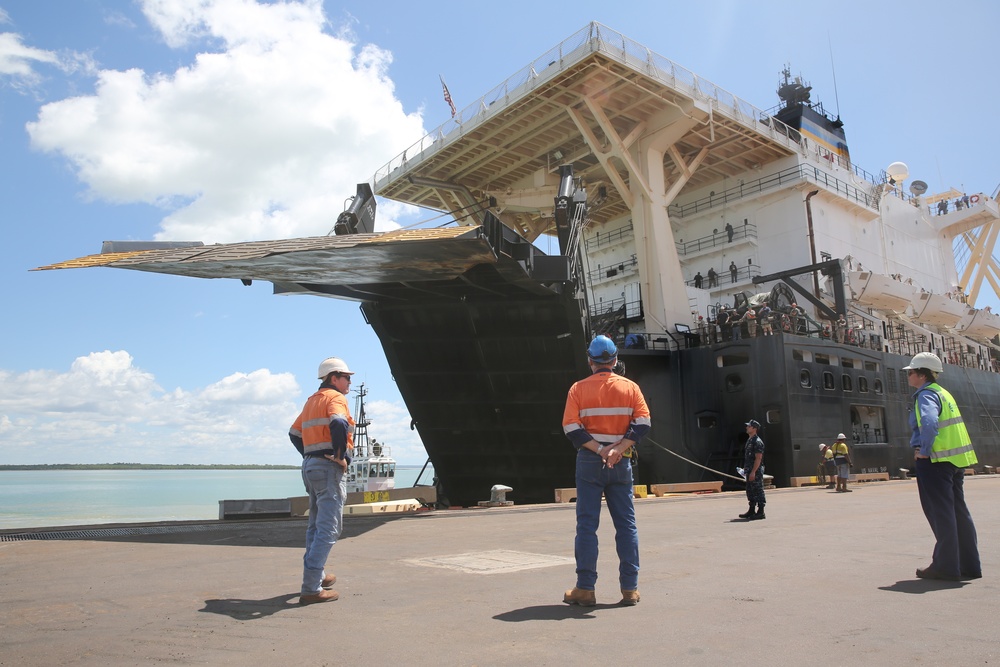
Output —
(826, 579)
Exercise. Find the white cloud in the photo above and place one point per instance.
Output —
(262, 137)
(105, 409)
(390, 425)
(17, 61)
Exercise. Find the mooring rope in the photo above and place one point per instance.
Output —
(694, 463)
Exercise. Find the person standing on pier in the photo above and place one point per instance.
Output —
(605, 417)
(324, 435)
(842, 459)
(753, 468)
(942, 450)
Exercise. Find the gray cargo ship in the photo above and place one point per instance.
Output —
(669, 198)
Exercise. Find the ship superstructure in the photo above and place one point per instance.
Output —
(668, 197)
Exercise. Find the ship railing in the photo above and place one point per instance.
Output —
(614, 270)
(597, 241)
(746, 231)
(605, 315)
(743, 274)
(593, 38)
(663, 340)
(773, 181)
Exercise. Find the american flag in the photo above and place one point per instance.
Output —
(447, 96)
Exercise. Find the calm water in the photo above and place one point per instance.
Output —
(37, 498)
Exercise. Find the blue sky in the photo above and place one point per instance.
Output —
(229, 120)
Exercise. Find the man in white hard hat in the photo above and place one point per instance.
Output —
(942, 450)
(829, 467)
(842, 459)
(324, 435)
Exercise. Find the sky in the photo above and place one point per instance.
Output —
(240, 120)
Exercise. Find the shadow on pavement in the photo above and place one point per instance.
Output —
(552, 612)
(262, 533)
(249, 610)
(921, 586)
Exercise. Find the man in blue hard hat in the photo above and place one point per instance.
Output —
(605, 416)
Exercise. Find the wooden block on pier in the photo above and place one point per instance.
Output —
(970, 471)
(659, 490)
(565, 495)
(805, 481)
(569, 495)
(870, 477)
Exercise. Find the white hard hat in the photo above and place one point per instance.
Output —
(841, 436)
(927, 360)
(333, 365)
(822, 446)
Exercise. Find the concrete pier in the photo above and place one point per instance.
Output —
(826, 579)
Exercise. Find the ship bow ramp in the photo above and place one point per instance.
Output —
(482, 332)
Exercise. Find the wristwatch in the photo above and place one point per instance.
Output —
(600, 448)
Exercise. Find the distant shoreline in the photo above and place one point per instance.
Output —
(148, 466)
(159, 466)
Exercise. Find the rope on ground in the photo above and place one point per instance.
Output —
(694, 463)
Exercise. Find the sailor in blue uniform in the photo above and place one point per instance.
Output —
(753, 468)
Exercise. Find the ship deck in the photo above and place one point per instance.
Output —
(484, 587)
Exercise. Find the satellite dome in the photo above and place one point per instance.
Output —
(898, 171)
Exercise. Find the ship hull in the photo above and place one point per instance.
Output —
(802, 392)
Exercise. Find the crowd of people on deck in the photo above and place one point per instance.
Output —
(959, 203)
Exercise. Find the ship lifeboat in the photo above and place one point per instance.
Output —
(937, 309)
(881, 291)
(980, 323)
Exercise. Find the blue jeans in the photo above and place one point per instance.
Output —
(593, 479)
(327, 489)
(942, 496)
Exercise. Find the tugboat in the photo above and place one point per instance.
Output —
(372, 469)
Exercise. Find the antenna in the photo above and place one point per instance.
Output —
(836, 96)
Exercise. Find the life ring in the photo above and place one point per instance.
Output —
(974, 199)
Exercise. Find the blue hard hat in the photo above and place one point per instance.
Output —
(602, 350)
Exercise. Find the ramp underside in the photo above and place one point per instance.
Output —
(485, 377)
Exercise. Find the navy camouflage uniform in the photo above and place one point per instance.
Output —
(755, 489)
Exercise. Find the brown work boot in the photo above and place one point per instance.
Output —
(580, 597)
(329, 580)
(630, 598)
(323, 596)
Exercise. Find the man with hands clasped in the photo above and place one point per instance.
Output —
(605, 417)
